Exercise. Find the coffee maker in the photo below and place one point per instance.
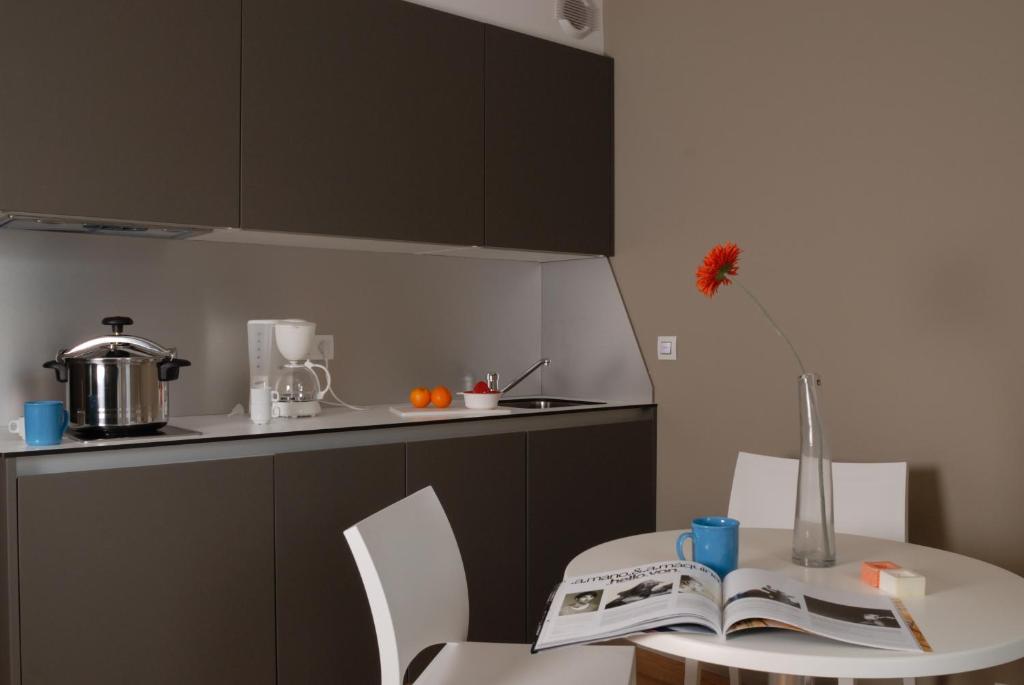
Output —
(279, 352)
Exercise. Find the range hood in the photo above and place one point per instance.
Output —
(53, 223)
(27, 221)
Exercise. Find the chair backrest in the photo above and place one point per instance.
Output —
(871, 499)
(868, 499)
(763, 491)
(414, 578)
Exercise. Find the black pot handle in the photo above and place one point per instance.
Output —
(168, 370)
(118, 323)
(60, 369)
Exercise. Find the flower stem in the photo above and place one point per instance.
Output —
(826, 538)
(778, 330)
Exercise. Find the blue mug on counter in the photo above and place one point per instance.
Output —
(43, 424)
(716, 543)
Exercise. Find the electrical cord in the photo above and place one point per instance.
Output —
(338, 401)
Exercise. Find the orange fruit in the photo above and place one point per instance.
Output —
(420, 397)
(441, 397)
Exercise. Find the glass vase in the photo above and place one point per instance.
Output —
(814, 534)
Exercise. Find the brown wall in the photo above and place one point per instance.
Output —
(869, 158)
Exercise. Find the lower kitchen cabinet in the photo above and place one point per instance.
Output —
(586, 485)
(481, 482)
(325, 632)
(236, 570)
(155, 574)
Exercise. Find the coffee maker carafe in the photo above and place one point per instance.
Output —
(279, 351)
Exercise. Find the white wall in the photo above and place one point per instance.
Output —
(586, 333)
(398, 320)
(535, 17)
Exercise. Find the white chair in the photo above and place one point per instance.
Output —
(412, 571)
(867, 499)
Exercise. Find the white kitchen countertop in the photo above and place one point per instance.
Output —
(222, 427)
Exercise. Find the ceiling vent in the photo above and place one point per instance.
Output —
(578, 18)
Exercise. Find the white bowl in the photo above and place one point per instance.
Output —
(481, 400)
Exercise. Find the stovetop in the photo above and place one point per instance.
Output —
(166, 431)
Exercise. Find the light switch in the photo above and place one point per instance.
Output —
(667, 347)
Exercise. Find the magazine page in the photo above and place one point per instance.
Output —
(756, 599)
(616, 603)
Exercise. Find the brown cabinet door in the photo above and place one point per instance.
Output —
(362, 118)
(586, 486)
(121, 110)
(160, 575)
(549, 146)
(325, 632)
(481, 482)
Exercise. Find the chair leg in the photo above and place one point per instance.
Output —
(909, 681)
(691, 672)
(844, 681)
(734, 676)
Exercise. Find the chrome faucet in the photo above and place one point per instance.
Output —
(492, 378)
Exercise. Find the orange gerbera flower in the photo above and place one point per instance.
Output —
(720, 263)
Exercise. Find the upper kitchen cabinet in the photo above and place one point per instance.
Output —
(549, 146)
(121, 110)
(362, 118)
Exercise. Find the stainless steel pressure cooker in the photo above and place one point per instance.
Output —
(117, 384)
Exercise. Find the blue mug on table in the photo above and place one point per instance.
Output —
(716, 543)
(43, 424)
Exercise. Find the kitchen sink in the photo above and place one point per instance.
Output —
(543, 403)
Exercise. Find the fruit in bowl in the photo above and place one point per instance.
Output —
(481, 397)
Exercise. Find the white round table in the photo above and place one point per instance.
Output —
(973, 614)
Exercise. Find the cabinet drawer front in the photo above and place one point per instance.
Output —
(160, 575)
(481, 482)
(587, 485)
(324, 627)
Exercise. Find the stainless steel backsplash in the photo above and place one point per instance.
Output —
(398, 320)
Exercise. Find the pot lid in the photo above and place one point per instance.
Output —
(118, 346)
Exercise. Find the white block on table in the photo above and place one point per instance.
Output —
(901, 582)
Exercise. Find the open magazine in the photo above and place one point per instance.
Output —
(689, 597)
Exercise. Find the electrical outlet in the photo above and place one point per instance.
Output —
(323, 348)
